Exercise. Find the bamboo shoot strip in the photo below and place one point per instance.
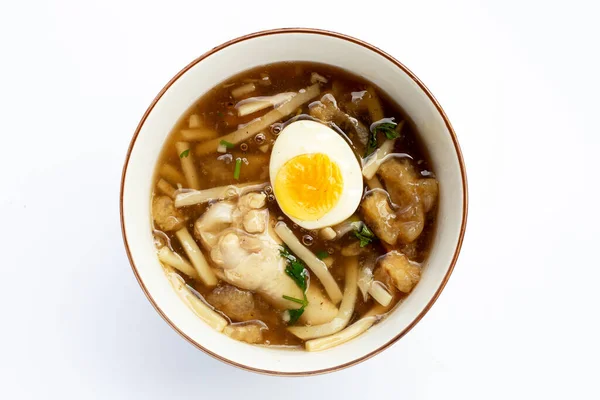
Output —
(374, 183)
(243, 90)
(376, 159)
(171, 174)
(187, 164)
(344, 313)
(380, 293)
(199, 134)
(166, 188)
(194, 121)
(206, 274)
(317, 266)
(189, 198)
(168, 257)
(347, 334)
(254, 104)
(201, 309)
(263, 122)
(374, 105)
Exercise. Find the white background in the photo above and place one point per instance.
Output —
(519, 81)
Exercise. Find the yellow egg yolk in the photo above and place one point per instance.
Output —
(308, 186)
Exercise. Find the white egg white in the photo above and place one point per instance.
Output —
(308, 137)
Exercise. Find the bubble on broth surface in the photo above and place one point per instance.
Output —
(276, 128)
(260, 138)
(307, 240)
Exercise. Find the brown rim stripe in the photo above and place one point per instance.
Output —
(458, 154)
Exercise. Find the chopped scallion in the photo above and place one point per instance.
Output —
(322, 254)
(226, 144)
(184, 153)
(238, 168)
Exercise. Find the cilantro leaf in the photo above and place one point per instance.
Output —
(388, 129)
(371, 143)
(184, 153)
(364, 235)
(295, 315)
(322, 254)
(295, 268)
(303, 302)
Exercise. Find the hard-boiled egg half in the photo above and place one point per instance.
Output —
(315, 175)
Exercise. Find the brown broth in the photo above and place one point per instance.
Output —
(217, 111)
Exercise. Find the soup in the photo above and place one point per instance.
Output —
(293, 206)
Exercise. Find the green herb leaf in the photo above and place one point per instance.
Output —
(364, 235)
(322, 254)
(295, 268)
(295, 315)
(184, 153)
(226, 144)
(371, 143)
(303, 302)
(219, 114)
(238, 168)
(388, 129)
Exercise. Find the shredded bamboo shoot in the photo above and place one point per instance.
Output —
(194, 121)
(198, 134)
(168, 257)
(171, 174)
(347, 334)
(376, 159)
(317, 78)
(317, 266)
(380, 155)
(254, 104)
(189, 198)
(206, 274)
(263, 122)
(166, 188)
(327, 233)
(374, 183)
(187, 164)
(380, 293)
(344, 313)
(374, 105)
(201, 309)
(243, 90)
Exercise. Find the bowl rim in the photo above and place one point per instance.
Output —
(459, 156)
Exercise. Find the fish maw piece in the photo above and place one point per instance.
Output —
(404, 273)
(403, 185)
(253, 200)
(252, 261)
(428, 190)
(410, 223)
(166, 216)
(400, 179)
(228, 251)
(239, 305)
(249, 333)
(215, 219)
(380, 217)
(255, 221)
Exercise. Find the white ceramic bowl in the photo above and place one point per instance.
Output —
(293, 45)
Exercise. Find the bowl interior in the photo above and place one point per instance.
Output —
(257, 50)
